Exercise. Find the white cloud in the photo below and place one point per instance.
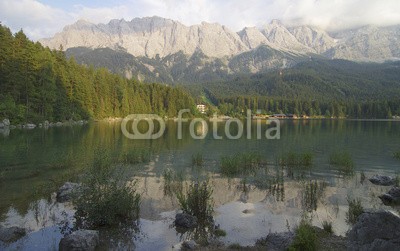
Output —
(40, 20)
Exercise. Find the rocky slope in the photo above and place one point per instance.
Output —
(159, 37)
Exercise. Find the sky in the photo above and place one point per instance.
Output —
(44, 18)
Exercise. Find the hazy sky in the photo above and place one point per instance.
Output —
(43, 18)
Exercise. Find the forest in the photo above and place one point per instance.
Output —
(40, 84)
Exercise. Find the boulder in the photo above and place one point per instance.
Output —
(81, 240)
(11, 234)
(185, 220)
(66, 191)
(277, 241)
(382, 180)
(29, 126)
(392, 197)
(375, 231)
(59, 124)
(6, 122)
(46, 123)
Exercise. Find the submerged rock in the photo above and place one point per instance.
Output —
(392, 197)
(86, 240)
(11, 234)
(185, 220)
(189, 245)
(66, 191)
(382, 180)
(277, 241)
(375, 231)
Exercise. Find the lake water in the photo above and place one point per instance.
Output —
(34, 163)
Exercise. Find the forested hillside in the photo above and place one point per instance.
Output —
(329, 88)
(38, 84)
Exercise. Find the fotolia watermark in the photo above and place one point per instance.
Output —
(271, 132)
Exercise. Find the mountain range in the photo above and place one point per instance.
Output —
(164, 50)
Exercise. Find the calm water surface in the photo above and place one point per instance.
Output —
(34, 163)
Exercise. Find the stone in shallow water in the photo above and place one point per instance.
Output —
(185, 220)
(392, 197)
(11, 234)
(81, 240)
(382, 180)
(375, 231)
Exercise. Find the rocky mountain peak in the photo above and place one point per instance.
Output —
(157, 36)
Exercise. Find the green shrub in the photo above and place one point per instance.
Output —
(197, 159)
(305, 238)
(355, 210)
(197, 201)
(343, 161)
(104, 199)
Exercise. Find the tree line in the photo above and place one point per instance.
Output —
(40, 84)
(313, 108)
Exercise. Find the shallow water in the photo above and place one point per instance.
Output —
(34, 163)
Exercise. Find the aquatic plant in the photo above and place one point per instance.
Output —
(235, 246)
(136, 156)
(396, 155)
(355, 210)
(313, 190)
(197, 201)
(239, 163)
(343, 161)
(197, 159)
(173, 182)
(104, 198)
(293, 159)
(362, 177)
(327, 226)
(219, 232)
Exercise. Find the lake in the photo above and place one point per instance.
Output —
(34, 163)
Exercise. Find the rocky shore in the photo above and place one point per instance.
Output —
(6, 125)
